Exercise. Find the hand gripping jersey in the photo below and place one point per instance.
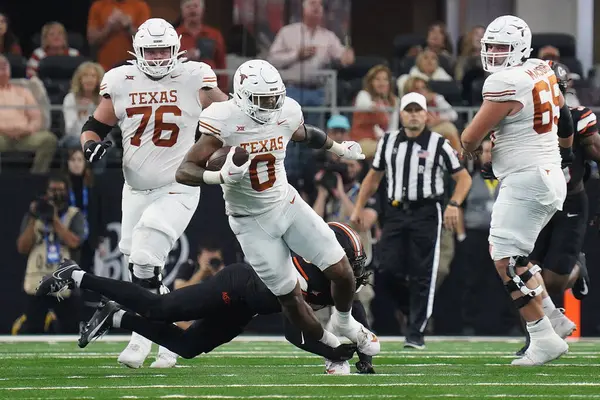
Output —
(157, 117)
(528, 138)
(266, 184)
(585, 124)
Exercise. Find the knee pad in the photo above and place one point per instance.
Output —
(518, 282)
(153, 283)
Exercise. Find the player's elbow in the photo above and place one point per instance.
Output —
(180, 174)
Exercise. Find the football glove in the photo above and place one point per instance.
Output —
(352, 151)
(94, 151)
(230, 172)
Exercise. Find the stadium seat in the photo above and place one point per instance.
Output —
(476, 88)
(75, 39)
(59, 67)
(18, 65)
(361, 66)
(402, 43)
(565, 43)
(449, 89)
(401, 66)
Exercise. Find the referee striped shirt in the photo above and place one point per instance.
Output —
(415, 167)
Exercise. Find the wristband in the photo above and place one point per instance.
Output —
(212, 177)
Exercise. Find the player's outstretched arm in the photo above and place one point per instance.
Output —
(315, 138)
(191, 172)
(95, 130)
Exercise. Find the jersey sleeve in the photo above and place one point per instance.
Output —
(109, 84)
(213, 121)
(206, 78)
(503, 86)
(292, 115)
(585, 121)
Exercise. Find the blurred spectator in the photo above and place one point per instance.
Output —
(80, 102)
(9, 44)
(21, 122)
(470, 53)
(202, 42)
(51, 231)
(300, 50)
(549, 53)
(372, 119)
(442, 115)
(438, 41)
(111, 25)
(426, 67)
(53, 43)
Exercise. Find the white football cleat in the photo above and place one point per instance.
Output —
(562, 325)
(337, 368)
(165, 359)
(136, 351)
(542, 350)
(367, 342)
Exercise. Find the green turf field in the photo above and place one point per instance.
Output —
(276, 370)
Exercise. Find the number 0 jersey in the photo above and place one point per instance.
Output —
(528, 138)
(265, 184)
(157, 117)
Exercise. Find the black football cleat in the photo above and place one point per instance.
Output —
(59, 281)
(581, 287)
(365, 367)
(99, 324)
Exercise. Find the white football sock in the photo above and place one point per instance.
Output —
(77, 276)
(116, 318)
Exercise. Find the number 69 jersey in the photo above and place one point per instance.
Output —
(157, 117)
(529, 137)
(265, 185)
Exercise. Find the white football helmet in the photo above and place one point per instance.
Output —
(156, 33)
(259, 91)
(506, 30)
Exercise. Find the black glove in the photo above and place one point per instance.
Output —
(344, 352)
(567, 156)
(94, 151)
(364, 367)
(487, 172)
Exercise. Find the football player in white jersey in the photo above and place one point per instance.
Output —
(156, 102)
(267, 215)
(522, 105)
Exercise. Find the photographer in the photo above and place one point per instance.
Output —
(209, 261)
(51, 231)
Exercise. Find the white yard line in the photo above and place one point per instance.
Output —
(293, 385)
(249, 338)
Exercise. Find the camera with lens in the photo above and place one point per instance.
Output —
(329, 178)
(43, 209)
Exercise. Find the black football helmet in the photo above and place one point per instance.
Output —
(354, 249)
(562, 75)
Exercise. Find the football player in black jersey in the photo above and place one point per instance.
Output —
(221, 307)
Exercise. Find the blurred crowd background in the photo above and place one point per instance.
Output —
(346, 62)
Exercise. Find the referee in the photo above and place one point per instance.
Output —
(414, 161)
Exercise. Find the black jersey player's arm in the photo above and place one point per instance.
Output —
(100, 123)
(192, 169)
(591, 146)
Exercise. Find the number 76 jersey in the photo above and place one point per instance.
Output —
(529, 137)
(265, 185)
(158, 119)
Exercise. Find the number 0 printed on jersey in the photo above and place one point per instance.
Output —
(262, 172)
(159, 125)
(546, 106)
